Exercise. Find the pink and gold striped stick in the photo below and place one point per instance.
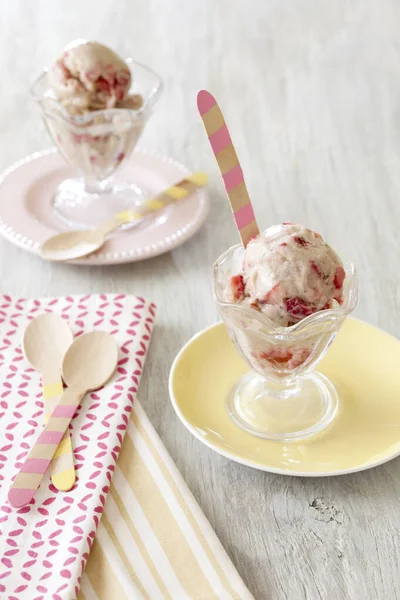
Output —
(62, 466)
(38, 460)
(228, 162)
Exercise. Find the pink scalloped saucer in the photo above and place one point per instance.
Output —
(27, 219)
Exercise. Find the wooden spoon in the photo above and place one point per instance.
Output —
(70, 245)
(88, 364)
(45, 342)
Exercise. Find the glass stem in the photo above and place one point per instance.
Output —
(97, 186)
(281, 390)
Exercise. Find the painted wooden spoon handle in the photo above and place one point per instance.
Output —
(62, 466)
(180, 190)
(38, 460)
(228, 162)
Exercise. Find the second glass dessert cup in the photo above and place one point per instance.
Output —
(97, 144)
(282, 398)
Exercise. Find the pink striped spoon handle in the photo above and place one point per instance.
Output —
(38, 460)
(228, 162)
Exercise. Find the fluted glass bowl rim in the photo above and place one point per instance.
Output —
(138, 114)
(318, 320)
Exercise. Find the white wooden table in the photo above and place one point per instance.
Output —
(311, 92)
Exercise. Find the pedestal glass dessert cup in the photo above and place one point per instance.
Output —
(282, 398)
(97, 144)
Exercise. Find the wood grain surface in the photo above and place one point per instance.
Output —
(310, 90)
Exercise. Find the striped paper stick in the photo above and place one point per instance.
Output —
(38, 460)
(180, 190)
(229, 166)
(62, 466)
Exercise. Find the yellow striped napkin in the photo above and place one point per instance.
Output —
(153, 541)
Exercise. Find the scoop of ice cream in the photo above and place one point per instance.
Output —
(288, 273)
(89, 76)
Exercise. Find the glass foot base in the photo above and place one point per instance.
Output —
(283, 414)
(78, 208)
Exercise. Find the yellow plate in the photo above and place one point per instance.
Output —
(364, 365)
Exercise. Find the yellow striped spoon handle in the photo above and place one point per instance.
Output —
(178, 191)
(62, 468)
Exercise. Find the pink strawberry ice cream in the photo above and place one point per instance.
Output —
(89, 76)
(288, 272)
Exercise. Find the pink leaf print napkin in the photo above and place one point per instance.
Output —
(44, 546)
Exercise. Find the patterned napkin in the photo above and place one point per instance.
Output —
(44, 546)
